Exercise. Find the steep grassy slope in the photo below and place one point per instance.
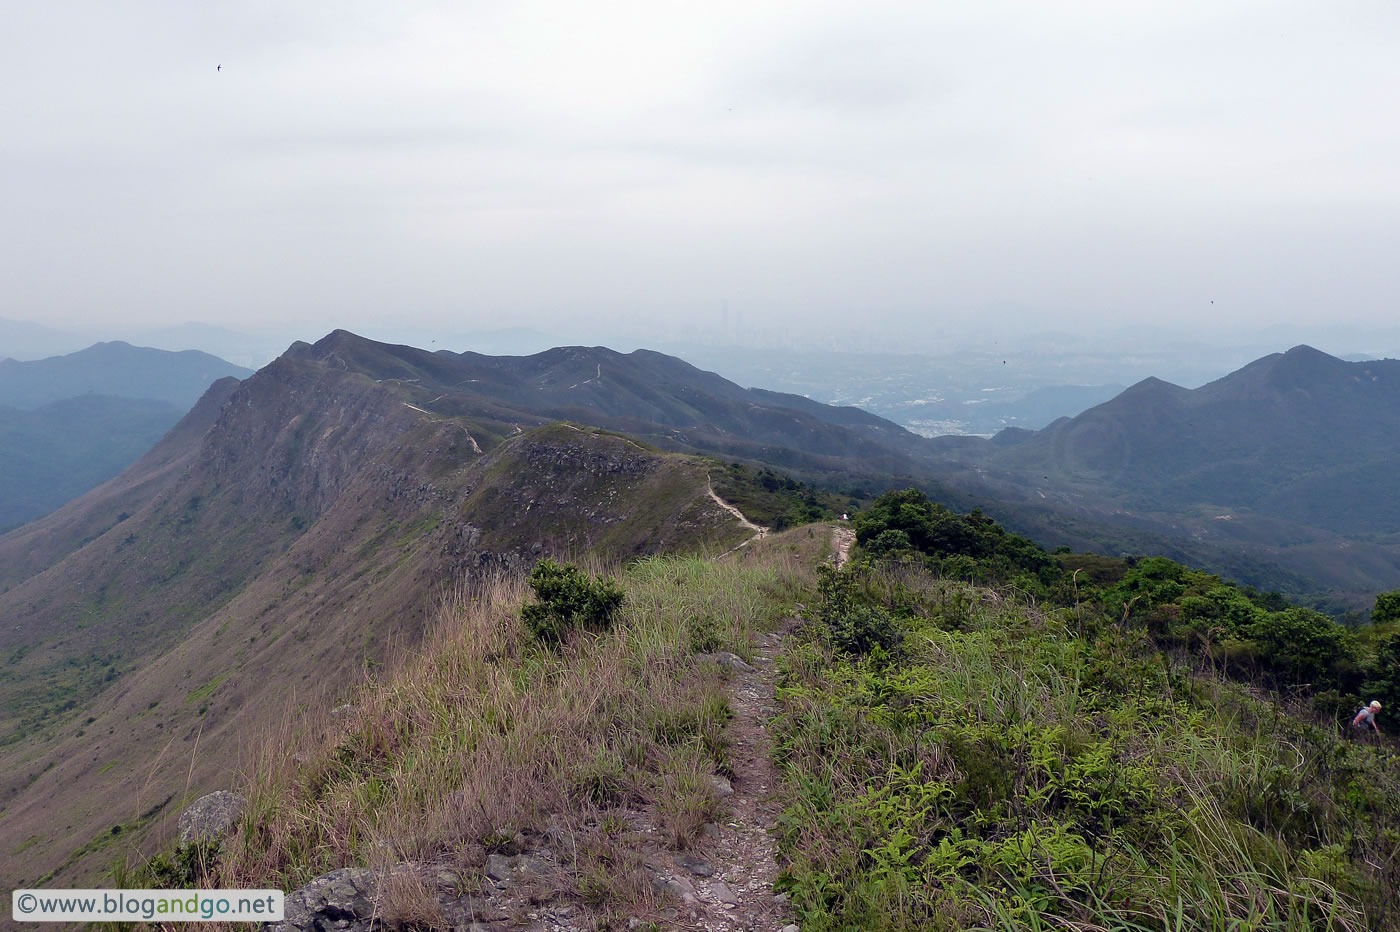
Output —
(315, 524)
(625, 718)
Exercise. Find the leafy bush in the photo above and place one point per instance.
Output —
(181, 868)
(1249, 631)
(854, 624)
(889, 542)
(569, 600)
(1300, 643)
(970, 546)
(1387, 607)
(1384, 681)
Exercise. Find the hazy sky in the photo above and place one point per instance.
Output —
(647, 167)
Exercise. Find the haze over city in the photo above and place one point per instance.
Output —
(877, 176)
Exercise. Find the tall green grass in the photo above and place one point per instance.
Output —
(1019, 768)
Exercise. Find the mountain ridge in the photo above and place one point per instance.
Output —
(310, 505)
(114, 368)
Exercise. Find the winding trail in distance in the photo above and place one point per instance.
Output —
(758, 532)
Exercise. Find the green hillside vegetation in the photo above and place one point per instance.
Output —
(1095, 756)
(972, 734)
(777, 501)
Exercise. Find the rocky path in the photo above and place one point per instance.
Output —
(729, 888)
(842, 539)
(722, 883)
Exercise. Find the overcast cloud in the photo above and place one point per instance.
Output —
(619, 167)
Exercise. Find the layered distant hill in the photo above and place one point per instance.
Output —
(1292, 459)
(1298, 436)
(70, 422)
(55, 452)
(116, 369)
(22, 339)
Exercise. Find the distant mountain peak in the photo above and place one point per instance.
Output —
(1153, 387)
(1304, 355)
(1304, 367)
(114, 368)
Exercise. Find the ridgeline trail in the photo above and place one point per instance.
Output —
(758, 532)
(733, 891)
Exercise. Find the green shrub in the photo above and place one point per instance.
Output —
(889, 542)
(970, 546)
(183, 867)
(1384, 682)
(569, 600)
(1300, 643)
(1387, 607)
(854, 624)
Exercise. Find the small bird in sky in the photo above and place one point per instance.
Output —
(219, 68)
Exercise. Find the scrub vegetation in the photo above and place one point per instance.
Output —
(1035, 751)
(971, 733)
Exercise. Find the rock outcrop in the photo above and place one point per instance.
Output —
(210, 817)
(345, 900)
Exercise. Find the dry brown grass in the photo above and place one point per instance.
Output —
(408, 901)
(483, 739)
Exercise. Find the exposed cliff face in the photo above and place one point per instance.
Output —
(297, 433)
(315, 523)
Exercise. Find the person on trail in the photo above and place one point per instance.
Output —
(1367, 716)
